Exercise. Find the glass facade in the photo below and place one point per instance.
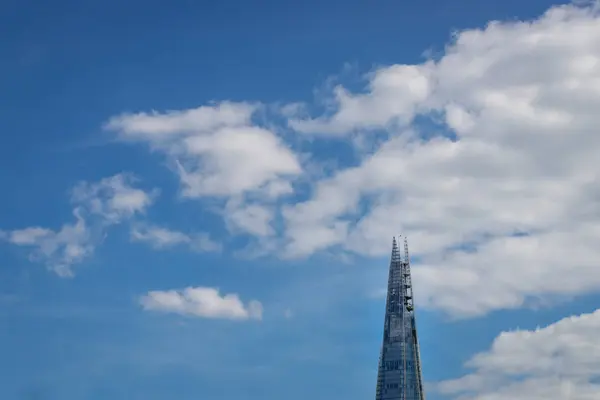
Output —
(399, 375)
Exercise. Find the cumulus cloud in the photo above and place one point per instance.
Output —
(97, 205)
(161, 238)
(204, 302)
(502, 202)
(217, 150)
(557, 362)
(393, 95)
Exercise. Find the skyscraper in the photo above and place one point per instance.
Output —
(399, 374)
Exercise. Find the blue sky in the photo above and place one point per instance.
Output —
(270, 152)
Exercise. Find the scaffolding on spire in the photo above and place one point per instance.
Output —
(399, 374)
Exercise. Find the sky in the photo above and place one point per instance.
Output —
(199, 198)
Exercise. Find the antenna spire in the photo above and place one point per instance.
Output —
(396, 257)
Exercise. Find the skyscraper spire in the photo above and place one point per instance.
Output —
(399, 373)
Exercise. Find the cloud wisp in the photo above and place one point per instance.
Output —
(96, 206)
(162, 238)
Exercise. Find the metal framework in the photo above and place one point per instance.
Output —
(399, 375)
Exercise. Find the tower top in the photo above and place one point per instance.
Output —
(399, 374)
(397, 256)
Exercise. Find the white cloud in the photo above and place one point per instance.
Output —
(202, 302)
(254, 218)
(217, 149)
(521, 98)
(219, 152)
(59, 249)
(161, 238)
(96, 206)
(160, 127)
(202, 242)
(114, 199)
(28, 235)
(158, 237)
(560, 361)
(235, 161)
(393, 95)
